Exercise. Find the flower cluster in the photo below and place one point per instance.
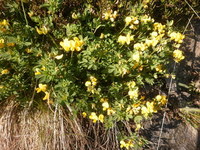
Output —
(140, 46)
(91, 84)
(154, 39)
(133, 90)
(125, 39)
(177, 37)
(3, 25)
(161, 100)
(126, 144)
(159, 68)
(153, 106)
(159, 27)
(93, 116)
(146, 19)
(178, 55)
(72, 45)
(109, 14)
(136, 56)
(106, 106)
(42, 30)
(43, 88)
(147, 108)
(5, 71)
(132, 22)
(39, 70)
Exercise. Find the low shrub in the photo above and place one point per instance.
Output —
(103, 61)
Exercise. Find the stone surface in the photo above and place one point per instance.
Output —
(177, 133)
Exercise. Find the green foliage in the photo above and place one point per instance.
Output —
(93, 59)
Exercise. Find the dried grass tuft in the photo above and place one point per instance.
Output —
(50, 129)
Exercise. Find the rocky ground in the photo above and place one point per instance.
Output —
(179, 134)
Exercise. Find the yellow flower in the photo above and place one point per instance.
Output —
(159, 27)
(5, 71)
(133, 27)
(108, 14)
(154, 34)
(42, 30)
(43, 68)
(138, 127)
(105, 106)
(136, 56)
(78, 44)
(91, 89)
(101, 118)
(136, 22)
(66, 44)
(177, 45)
(127, 144)
(131, 84)
(94, 117)
(94, 80)
(159, 68)
(72, 45)
(123, 144)
(148, 109)
(177, 37)
(173, 76)
(110, 111)
(47, 95)
(128, 20)
(1, 86)
(4, 23)
(121, 39)
(133, 93)
(125, 39)
(102, 36)
(42, 87)
(146, 19)
(103, 100)
(145, 111)
(37, 71)
(88, 83)
(28, 50)
(161, 99)
(74, 16)
(84, 114)
(129, 38)
(178, 55)
(2, 45)
(129, 110)
(31, 13)
(153, 42)
(158, 97)
(140, 46)
(113, 16)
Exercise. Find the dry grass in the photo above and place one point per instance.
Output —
(46, 129)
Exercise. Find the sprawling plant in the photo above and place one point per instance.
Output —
(104, 63)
